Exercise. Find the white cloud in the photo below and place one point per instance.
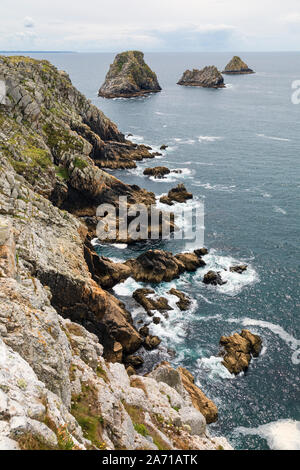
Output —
(28, 22)
(167, 25)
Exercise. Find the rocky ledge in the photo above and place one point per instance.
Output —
(129, 76)
(237, 67)
(208, 77)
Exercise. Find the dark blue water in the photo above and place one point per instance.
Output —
(239, 151)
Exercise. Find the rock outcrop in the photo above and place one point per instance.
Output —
(150, 302)
(177, 194)
(129, 76)
(208, 77)
(237, 67)
(184, 302)
(157, 171)
(213, 278)
(238, 350)
(157, 265)
(238, 269)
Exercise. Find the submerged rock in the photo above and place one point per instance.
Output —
(208, 77)
(237, 67)
(238, 350)
(129, 76)
(213, 278)
(177, 194)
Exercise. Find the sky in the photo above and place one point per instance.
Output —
(160, 25)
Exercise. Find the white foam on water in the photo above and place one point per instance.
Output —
(279, 210)
(127, 287)
(273, 138)
(283, 434)
(208, 138)
(95, 242)
(235, 281)
(136, 139)
(292, 342)
(173, 176)
(214, 187)
(215, 368)
(120, 246)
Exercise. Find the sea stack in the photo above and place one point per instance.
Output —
(129, 76)
(209, 77)
(237, 67)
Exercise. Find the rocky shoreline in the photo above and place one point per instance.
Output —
(63, 334)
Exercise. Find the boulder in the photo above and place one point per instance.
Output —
(151, 304)
(144, 331)
(238, 350)
(213, 278)
(177, 194)
(184, 302)
(238, 269)
(134, 361)
(237, 67)
(208, 77)
(190, 261)
(151, 342)
(129, 76)
(157, 172)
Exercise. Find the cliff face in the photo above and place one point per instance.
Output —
(128, 76)
(208, 77)
(62, 335)
(237, 67)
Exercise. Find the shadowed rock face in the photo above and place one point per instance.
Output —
(129, 76)
(208, 77)
(238, 350)
(177, 194)
(237, 67)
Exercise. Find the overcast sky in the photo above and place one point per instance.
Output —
(158, 25)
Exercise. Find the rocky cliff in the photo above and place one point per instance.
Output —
(128, 76)
(208, 77)
(63, 336)
(237, 67)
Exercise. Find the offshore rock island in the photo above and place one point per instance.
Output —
(237, 67)
(129, 76)
(64, 336)
(208, 77)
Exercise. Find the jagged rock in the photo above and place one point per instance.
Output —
(134, 361)
(164, 147)
(129, 76)
(238, 269)
(213, 278)
(183, 382)
(104, 271)
(190, 261)
(237, 67)
(152, 303)
(178, 194)
(184, 302)
(156, 320)
(208, 77)
(157, 172)
(201, 252)
(144, 331)
(158, 266)
(130, 371)
(238, 350)
(151, 342)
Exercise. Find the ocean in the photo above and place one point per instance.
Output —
(238, 149)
